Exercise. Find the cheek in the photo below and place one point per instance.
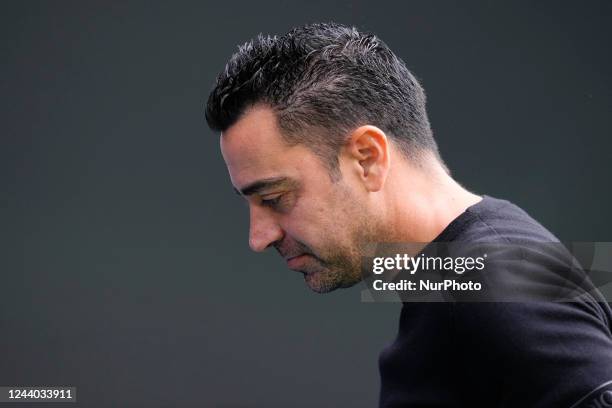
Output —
(312, 222)
(321, 211)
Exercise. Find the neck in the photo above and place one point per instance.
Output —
(426, 201)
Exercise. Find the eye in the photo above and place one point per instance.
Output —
(273, 201)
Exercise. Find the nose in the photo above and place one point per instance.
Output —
(264, 229)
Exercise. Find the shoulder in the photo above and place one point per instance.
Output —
(497, 220)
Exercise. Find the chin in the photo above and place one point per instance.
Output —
(325, 282)
(320, 283)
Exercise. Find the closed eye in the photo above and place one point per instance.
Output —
(271, 202)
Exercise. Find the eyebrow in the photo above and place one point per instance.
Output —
(265, 184)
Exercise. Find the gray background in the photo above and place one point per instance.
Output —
(125, 265)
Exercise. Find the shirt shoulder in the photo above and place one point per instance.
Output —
(495, 220)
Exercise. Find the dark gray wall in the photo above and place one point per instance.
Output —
(125, 265)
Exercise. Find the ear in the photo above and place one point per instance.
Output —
(368, 150)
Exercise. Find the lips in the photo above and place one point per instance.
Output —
(296, 261)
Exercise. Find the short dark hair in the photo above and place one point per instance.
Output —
(322, 81)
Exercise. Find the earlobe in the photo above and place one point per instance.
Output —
(369, 148)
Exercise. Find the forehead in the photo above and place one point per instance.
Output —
(253, 149)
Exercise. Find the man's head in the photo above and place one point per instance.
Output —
(308, 122)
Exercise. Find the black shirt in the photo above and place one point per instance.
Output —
(501, 354)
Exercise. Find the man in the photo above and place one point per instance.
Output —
(326, 135)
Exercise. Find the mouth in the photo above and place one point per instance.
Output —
(295, 262)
